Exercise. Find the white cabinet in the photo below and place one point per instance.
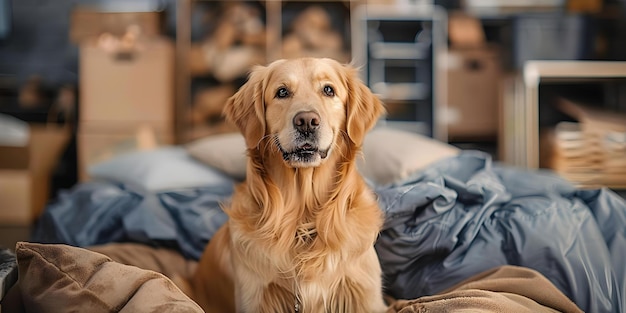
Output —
(399, 49)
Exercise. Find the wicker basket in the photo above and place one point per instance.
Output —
(590, 152)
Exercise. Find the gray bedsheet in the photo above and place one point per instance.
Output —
(460, 217)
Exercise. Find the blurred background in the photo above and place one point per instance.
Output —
(535, 83)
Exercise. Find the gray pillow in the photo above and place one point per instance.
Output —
(160, 169)
(226, 152)
(391, 155)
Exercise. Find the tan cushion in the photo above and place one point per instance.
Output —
(389, 155)
(225, 152)
(61, 278)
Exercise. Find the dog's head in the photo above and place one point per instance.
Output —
(301, 107)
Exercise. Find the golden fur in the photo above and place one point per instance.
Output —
(302, 226)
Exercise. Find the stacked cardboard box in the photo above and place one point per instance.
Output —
(473, 74)
(25, 173)
(126, 95)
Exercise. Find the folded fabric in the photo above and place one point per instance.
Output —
(500, 290)
(61, 278)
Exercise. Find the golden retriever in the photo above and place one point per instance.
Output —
(301, 229)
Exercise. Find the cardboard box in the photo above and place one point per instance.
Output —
(23, 196)
(127, 86)
(101, 142)
(14, 157)
(87, 23)
(473, 92)
(24, 186)
(465, 31)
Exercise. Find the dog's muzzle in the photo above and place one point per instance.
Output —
(304, 149)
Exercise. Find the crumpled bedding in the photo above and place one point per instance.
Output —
(95, 213)
(465, 215)
(52, 281)
(460, 217)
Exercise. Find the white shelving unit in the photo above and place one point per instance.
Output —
(404, 70)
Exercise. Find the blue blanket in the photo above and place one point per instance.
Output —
(465, 215)
(459, 217)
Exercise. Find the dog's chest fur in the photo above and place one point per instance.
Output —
(299, 248)
(307, 233)
(307, 245)
(310, 274)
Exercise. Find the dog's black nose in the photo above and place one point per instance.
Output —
(306, 122)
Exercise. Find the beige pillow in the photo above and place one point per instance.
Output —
(61, 278)
(225, 152)
(389, 155)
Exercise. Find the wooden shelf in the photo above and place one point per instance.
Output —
(276, 25)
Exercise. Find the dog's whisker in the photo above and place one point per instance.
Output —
(276, 144)
(261, 140)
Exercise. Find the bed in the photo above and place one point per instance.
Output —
(461, 231)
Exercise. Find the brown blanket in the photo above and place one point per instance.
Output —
(46, 271)
(503, 289)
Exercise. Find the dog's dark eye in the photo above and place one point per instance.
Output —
(282, 93)
(329, 91)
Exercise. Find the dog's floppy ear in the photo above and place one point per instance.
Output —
(363, 107)
(246, 108)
